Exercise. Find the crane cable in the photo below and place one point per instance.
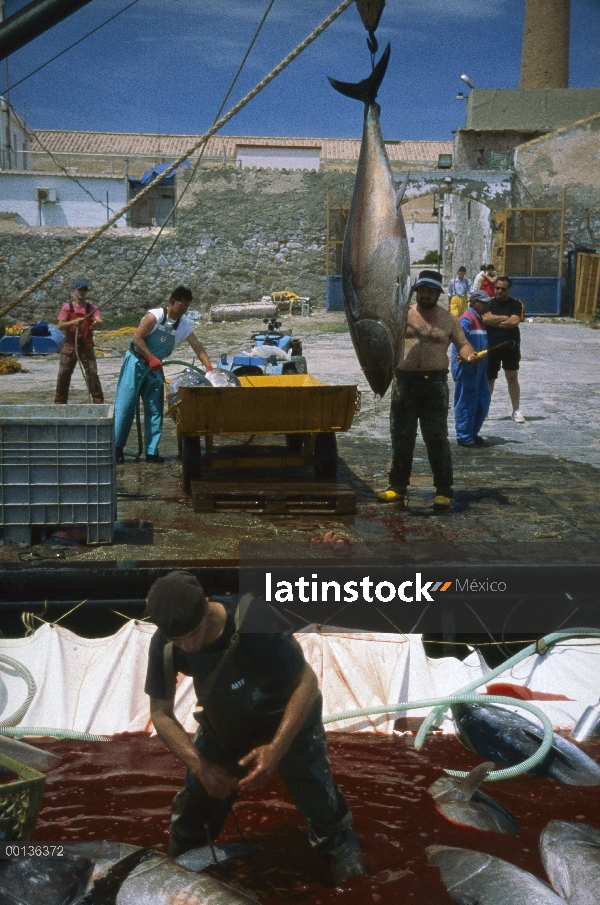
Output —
(202, 141)
(145, 257)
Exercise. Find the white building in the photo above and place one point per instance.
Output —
(55, 199)
(15, 139)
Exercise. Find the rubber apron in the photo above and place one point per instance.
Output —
(161, 344)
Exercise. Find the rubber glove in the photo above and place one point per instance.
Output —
(154, 363)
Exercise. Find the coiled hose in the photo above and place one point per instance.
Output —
(462, 696)
(9, 726)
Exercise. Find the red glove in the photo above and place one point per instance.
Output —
(209, 368)
(154, 363)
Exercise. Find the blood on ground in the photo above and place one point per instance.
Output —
(122, 790)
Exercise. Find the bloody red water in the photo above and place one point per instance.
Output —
(122, 790)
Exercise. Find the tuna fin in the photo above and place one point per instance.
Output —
(401, 190)
(366, 90)
(471, 783)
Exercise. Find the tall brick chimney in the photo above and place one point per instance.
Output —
(545, 56)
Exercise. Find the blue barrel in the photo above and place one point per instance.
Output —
(334, 298)
(540, 295)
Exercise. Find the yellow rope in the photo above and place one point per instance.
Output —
(176, 163)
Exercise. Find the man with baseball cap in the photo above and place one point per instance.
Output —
(78, 319)
(260, 713)
(420, 392)
(471, 390)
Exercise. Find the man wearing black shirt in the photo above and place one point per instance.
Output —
(261, 713)
(502, 325)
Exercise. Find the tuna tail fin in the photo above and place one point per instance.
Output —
(366, 90)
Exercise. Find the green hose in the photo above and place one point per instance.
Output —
(534, 648)
(20, 731)
(461, 698)
(24, 673)
(138, 394)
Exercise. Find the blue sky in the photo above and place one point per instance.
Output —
(171, 61)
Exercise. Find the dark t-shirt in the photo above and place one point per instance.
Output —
(253, 688)
(506, 308)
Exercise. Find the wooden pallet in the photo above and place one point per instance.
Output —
(274, 499)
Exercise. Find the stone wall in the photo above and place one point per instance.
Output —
(240, 234)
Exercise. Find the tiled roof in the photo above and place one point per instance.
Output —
(147, 145)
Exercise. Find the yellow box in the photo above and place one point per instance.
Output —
(281, 404)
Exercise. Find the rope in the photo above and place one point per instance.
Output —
(195, 169)
(176, 163)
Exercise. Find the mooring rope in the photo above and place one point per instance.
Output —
(176, 163)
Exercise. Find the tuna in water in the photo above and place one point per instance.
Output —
(140, 877)
(508, 738)
(375, 260)
(475, 878)
(571, 856)
(460, 801)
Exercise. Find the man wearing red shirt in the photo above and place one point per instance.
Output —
(78, 320)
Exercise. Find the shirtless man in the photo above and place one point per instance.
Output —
(420, 392)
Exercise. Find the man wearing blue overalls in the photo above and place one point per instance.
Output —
(471, 390)
(160, 331)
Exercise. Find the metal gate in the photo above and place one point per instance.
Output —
(587, 285)
(533, 241)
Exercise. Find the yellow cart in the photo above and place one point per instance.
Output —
(306, 411)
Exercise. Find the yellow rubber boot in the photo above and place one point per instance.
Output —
(391, 496)
(442, 503)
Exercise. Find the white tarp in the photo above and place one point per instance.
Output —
(97, 685)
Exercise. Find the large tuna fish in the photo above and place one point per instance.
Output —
(571, 856)
(375, 261)
(141, 877)
(461, 802)
(475, 878)
(508, 738)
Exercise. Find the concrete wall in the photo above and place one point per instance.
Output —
(567, 159)
(529, 111)
(240, 234)
(17, 154)
(75, 205)
(468, 235)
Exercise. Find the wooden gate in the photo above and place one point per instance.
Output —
(587, 285)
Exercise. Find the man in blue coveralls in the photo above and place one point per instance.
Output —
(160, 331)
(471, 389)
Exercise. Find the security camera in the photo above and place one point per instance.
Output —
(467, 81)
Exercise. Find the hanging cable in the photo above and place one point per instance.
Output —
(196, 165)
(71, 46)
(176, 163)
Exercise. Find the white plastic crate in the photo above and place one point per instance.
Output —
(57, 467)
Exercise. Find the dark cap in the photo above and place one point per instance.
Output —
(176, 603)
(80, 284)
(430, 278)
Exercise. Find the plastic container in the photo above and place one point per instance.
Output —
(334, 297)
(20, 801)
(57, 468)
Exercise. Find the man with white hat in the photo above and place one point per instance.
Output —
(420, 392)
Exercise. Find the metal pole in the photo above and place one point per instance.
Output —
(32, 21)
(7, 96)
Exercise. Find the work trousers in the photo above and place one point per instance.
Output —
(306, 773)
(420, 398)
(68, 361)
(471, 399)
